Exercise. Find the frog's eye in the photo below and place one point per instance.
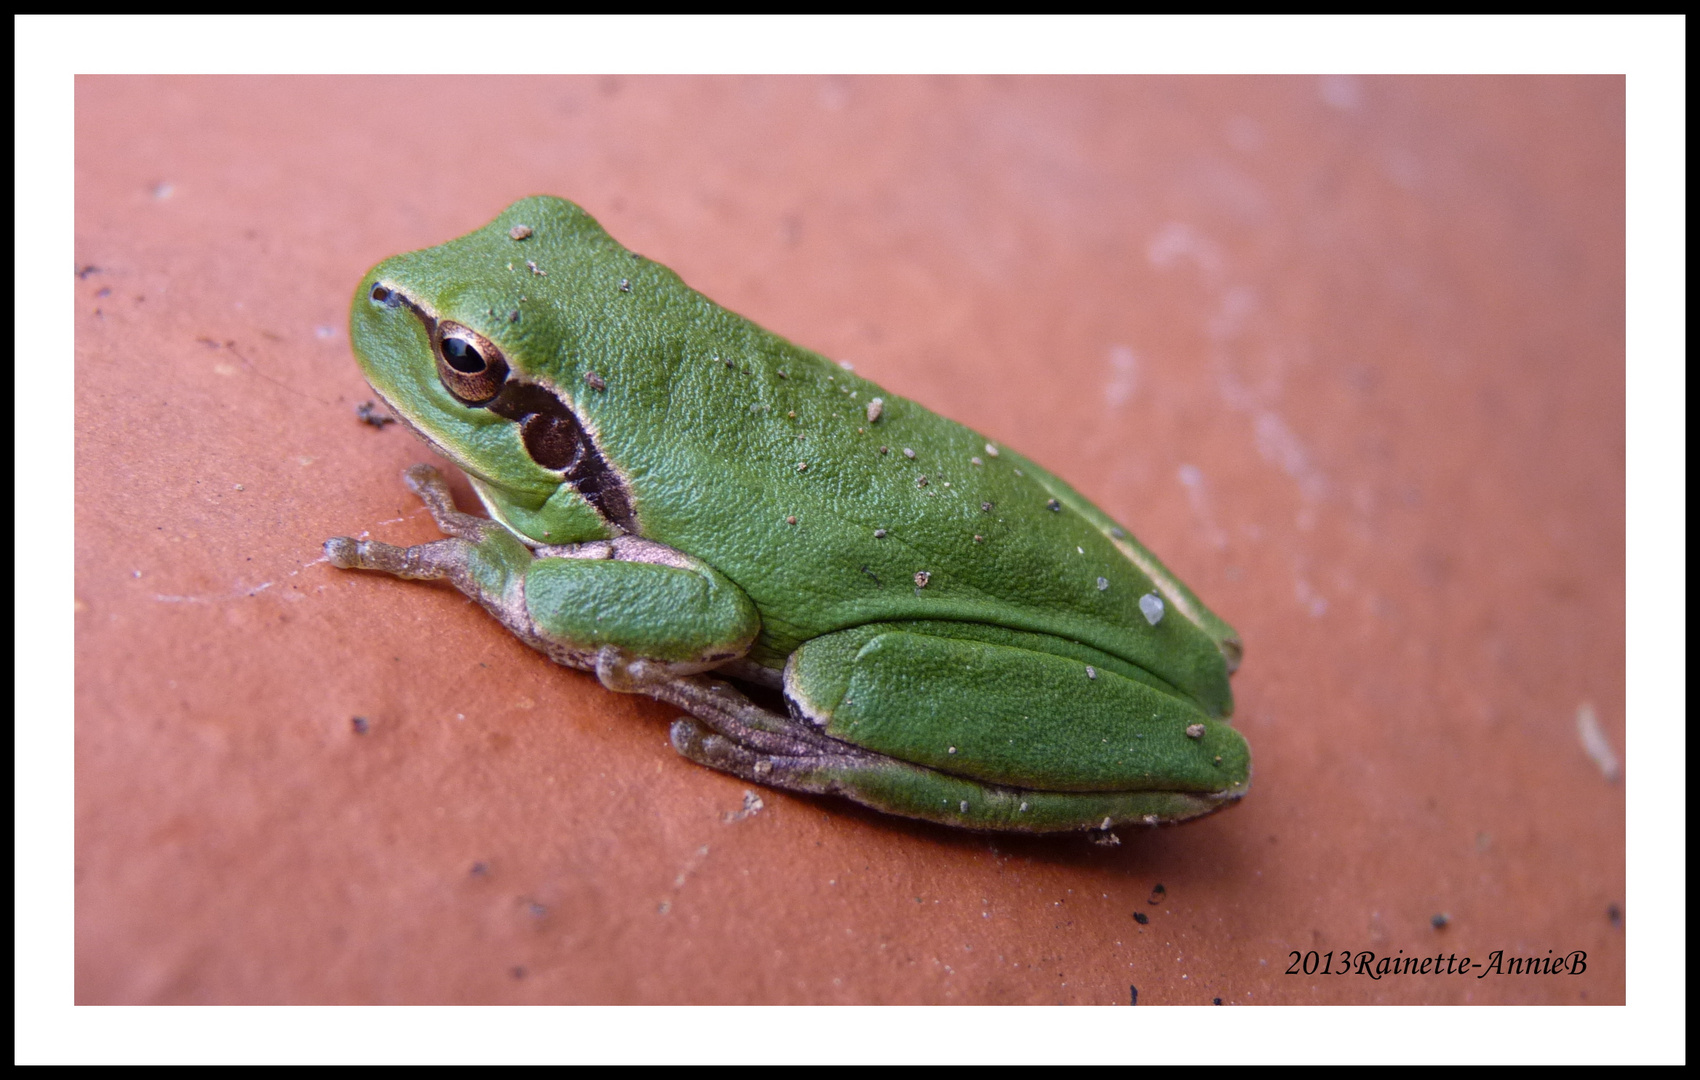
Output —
(470, 366)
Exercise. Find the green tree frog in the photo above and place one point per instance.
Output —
(695, 509)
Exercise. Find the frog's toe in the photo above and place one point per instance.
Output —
(697, 743)
(343, 552)
(422, 478)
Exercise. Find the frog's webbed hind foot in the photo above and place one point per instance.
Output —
(805, 772)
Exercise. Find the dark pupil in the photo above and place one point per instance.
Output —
(462, 356)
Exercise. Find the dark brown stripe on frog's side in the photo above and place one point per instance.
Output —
(551, 432)
(556, 440)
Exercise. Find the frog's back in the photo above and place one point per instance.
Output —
(829, 520)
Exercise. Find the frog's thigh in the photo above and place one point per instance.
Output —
(1011, 716)
(690, 615)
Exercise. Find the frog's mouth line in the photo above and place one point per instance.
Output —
(551, 432)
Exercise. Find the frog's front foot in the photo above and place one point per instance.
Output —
(432, 488)
(422, 562)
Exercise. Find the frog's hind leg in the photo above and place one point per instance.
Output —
(981, 728)
(897, 787)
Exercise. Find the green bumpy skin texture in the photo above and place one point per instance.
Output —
(963, 624)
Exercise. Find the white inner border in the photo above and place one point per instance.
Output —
(1649, 50)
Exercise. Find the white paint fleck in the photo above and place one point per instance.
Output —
(991, 450)
(1124, 376)
(1091, 672)
(1177, 241)
(752, 805)
(1151, 606)
(1314, 602)
(875, 407)
(1192, 478)
(1103, 583)
(1236, 307)
(1595, 743)
(1280, 447)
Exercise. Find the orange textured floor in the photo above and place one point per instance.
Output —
(1347, 353)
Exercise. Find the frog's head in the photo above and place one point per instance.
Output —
(477, 345)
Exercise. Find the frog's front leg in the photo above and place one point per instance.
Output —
(635, 612)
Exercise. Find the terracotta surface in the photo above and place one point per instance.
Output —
(1348, 353)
